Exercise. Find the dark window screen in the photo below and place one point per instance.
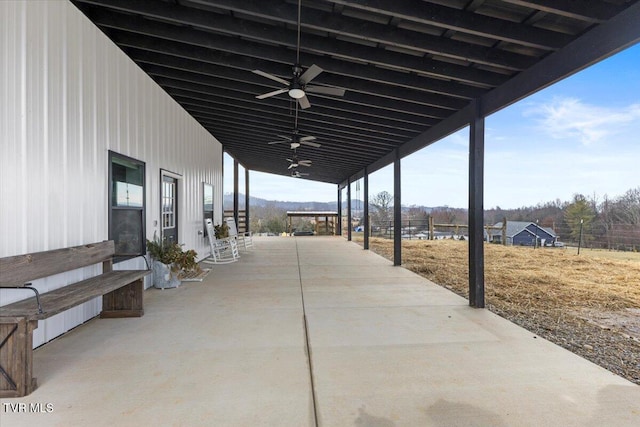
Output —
(126, 205)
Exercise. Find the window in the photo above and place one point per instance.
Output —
(126, 205)
(207, 202)
(168, 203)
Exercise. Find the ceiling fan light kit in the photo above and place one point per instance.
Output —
(296, 93)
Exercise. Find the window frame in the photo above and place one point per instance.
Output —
(206, 213)
(113, 207)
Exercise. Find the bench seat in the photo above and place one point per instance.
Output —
(121, 290)
(109, 285)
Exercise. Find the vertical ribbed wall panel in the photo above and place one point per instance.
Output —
(10, 42)
(68, 96)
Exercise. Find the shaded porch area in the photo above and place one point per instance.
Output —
(315, 331)
(325, 223)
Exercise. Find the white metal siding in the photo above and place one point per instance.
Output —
(68, 96)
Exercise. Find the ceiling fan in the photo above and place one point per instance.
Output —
(295, 139)
(298, 86)
(297, 174)
(295, 162)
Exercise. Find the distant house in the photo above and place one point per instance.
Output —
(522, 233)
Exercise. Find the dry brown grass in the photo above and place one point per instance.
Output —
(604, 253)
(553, 277)
(552, 292)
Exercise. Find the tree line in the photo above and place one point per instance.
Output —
(603, 222)
(610, 223)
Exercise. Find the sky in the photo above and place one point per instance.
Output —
(580, 135)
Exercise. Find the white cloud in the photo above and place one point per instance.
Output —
(460, 138)
(524, 180)
(565, 118)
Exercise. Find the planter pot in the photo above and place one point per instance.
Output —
(163, 278)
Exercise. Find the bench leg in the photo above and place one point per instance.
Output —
(16, 356)
(124, 302)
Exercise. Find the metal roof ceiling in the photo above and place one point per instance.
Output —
(409, 67)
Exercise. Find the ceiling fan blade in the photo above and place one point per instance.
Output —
(311, 144)
(292, 165)
(327, 90)
(304, 163)
(307, 138)
(289, 160)
(272, 77)
(270, 94)
(311, 73)
(277, 142)
(304, 102)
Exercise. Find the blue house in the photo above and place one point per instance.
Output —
(522, 233)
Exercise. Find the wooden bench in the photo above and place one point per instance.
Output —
(121, 290)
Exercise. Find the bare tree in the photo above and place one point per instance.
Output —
(447, 215)
(382, 208)
(415, 213)
(606, 220)
(628, 207)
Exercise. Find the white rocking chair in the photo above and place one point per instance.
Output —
(243, 239)
(223, 251)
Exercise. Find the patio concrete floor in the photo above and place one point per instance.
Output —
(385, 348)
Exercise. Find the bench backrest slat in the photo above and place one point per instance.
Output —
(19, 269)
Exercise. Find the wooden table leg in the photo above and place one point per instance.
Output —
(16, 356)
(124, 302)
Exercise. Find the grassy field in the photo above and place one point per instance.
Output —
(558, 278)
(603, 253)
(587, 303)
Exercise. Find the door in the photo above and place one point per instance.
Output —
(169, 207)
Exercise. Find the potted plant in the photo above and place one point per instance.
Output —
(221, 231)
(170, 262)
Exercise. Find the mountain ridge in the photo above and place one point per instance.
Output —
(356, 204)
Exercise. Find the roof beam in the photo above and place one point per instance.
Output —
(336, 124)
(249, 125)
(314, 154)
(255, 124)
(348, 51)
(326, 22)
(462, 21)
(234, 92)
(368, 88)
(327, 110)
(247, 91)
(584, 10)
(330, 152)
(318, 20)
(343, 162)
(365, 73)
(321, 118)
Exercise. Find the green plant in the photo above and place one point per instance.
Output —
(171, 253)
(221, 230)
(187, 261)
